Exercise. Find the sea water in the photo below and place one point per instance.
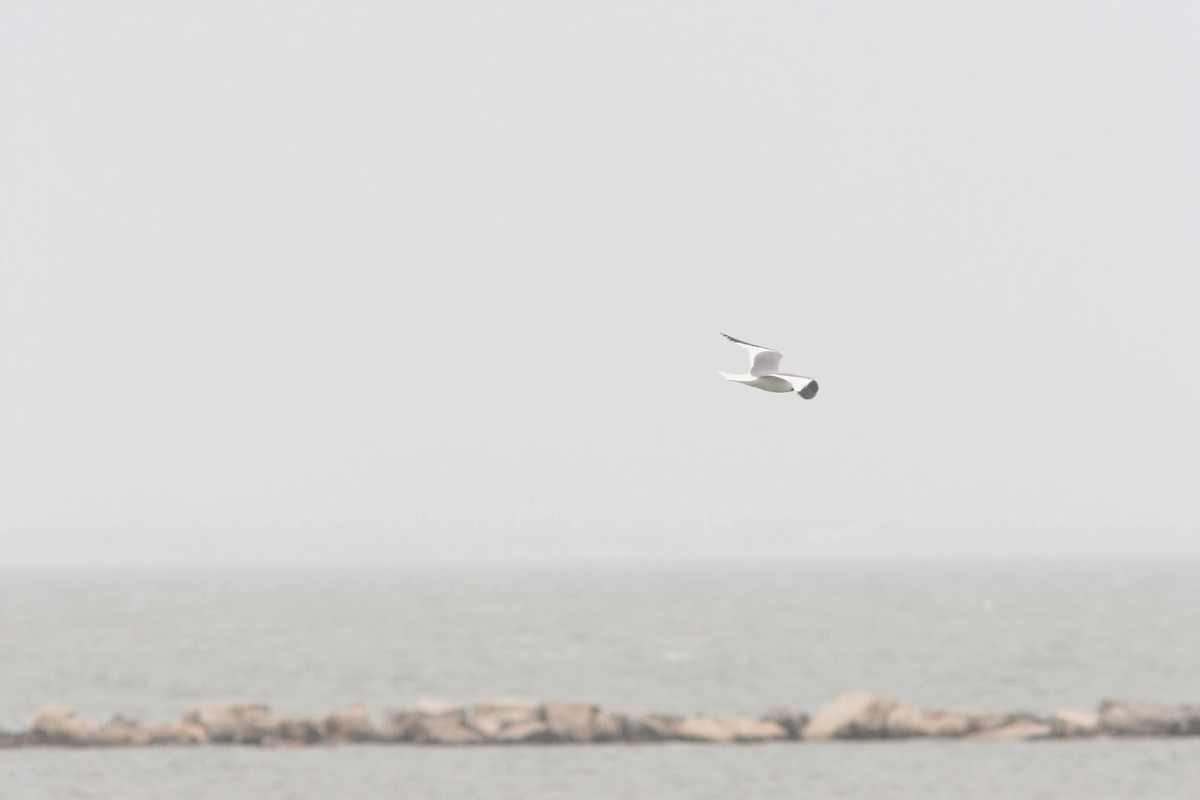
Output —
(682, 639)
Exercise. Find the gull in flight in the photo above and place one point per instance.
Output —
(764, 372)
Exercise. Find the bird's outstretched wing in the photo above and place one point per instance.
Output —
(763, 360)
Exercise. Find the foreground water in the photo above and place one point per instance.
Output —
(714, 639)
(1100, 770)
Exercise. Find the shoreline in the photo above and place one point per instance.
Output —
(850, 716)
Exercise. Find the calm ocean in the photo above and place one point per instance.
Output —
(740, 639)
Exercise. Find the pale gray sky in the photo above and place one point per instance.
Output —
(383, 282)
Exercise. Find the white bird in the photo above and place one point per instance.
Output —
(764, 372)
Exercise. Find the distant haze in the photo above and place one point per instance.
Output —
(380, 282)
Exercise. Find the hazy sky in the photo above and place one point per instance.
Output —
(383, 282)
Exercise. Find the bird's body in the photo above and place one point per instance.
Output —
(764, 372)
(769, 383)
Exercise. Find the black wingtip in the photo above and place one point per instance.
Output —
(743, 341)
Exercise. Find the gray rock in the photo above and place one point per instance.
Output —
(641, 726)
(244, 723)
(571, 722)
(981, 721)
(400, 725)
(287, 731)
(446, 729)
(430, 721)
(703, 728)
(792, 721)
(256, 725)
(1192, 712)
(60, 725)
(529, 732)
(296, 731)
(348, 724)
(904, 721)
(174, 733)
(748, 729)
(492, 716)
(607, 727)
(851, 715)
(121, 731)
(1021, 728)
(1068, 723)
(1133, 718)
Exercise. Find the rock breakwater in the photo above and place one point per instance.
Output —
(857, 715)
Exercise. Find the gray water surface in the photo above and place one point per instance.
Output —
(1097, 769)
(741, 639)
